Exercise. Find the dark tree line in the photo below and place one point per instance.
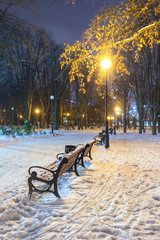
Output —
(30, 73)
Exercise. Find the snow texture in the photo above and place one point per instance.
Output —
(117, 195)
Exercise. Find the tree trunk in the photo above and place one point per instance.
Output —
(124, 116)
(30, 99)
(140, 123)
(159, 120)
(48, 120)
(154, 127)
(77, 103)
(153, 119)
(42, 113)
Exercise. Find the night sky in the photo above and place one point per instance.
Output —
(66, 22)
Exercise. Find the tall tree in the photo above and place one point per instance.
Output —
(135, 22)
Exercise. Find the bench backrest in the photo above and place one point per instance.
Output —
(88, 147)
(100, 134)
(68, 160)
(69, 148)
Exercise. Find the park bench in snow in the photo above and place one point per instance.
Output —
(85, 153)
(100, 138)
(46, 179)
(110, 130)
(88, 148)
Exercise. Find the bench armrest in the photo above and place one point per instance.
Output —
(80, 145)
(29, 170)
(59, 156)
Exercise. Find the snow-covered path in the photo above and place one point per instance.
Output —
(116, 197)
(17, 157)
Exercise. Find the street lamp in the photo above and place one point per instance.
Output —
(105, 64)
(37, 112)
(68, 114)
(117, 112)
(52, 97)
(12, 109)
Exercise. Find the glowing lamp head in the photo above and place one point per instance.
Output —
(117, 109)
(37, 111)
(106, 63)
(51, 97)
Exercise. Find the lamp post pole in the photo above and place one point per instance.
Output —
(51, 97)
(106, 116)
(37, 112)
(37, 120)
(12, 109)
(114, 122)
(105, 65)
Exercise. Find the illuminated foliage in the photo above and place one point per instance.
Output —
(134, 22)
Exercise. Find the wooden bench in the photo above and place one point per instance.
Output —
(100, 138)
(43, 181)
(110, 130)
(88, 148)
(85, 153)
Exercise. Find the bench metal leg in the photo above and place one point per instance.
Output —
(81, 162)
(56, 189)
(90, 155)
(30, 187)
(75, 169)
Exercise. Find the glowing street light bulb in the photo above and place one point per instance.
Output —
(37, 111)
(106, 63)
(117, 109)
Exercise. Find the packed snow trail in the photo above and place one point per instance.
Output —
(117, 196)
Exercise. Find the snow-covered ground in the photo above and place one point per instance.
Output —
(117, 195)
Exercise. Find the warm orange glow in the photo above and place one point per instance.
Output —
(106, 63)
(37, 111)
(20, 116)
(117, 109)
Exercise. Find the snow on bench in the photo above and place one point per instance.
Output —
(43, 181)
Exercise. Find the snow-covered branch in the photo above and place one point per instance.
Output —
(146, 28)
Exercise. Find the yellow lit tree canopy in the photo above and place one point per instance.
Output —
(133, 24)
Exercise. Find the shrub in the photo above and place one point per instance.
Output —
(27, 127)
